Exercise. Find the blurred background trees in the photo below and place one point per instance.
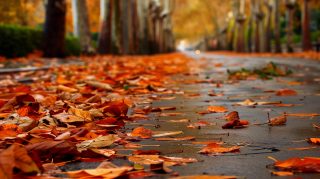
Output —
(158, 26)
(110, 26)
(256, 25)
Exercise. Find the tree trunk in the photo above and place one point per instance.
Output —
(117, 45)
(126, 30)
(104, 41)
(135, 26)
(55, 28)
(306, 26)
(143, 32)
(289, 30)
(277, 26)
(268, 36)
(81, 27)
(240, 38)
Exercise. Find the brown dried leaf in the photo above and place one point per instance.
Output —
(278, 121)
(16, 156)
(99, 173)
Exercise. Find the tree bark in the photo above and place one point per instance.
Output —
(268, 36)
(277, 26)
(126, 30)
(306, 26)
(289, 29)
(81, 27)
(55, 28)
(104, 41)
(143, 32)
(135, 26)
(117, 41)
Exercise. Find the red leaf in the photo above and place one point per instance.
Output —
(56, 150)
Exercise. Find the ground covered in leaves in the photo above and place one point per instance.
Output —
(156, 116)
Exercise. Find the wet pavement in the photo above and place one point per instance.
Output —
(257, 141)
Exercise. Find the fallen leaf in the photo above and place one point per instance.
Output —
(99, 142)
(175, 139)
(306, 164)
(100, 85)
(170, 114)
(146, 152)
(284, 105)
(286, 92)
(16, 156)
(314, 140)
(205, 177)
(278, 121)
(217, 109)
(54, 150)
(247, 102)
(282, 173)
(199, 124)
(178, 120)
(316, 126)
(302, 148)
(104, 152)
(145, 159)
(80, 113)
(116, 108)
(142, 133)
(235, 124)
(303, 114)
(234, 115)
(214, 148)
(67, 89)
(166, 133)
(99, 172)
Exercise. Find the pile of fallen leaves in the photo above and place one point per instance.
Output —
(267, 72)
(78, 112)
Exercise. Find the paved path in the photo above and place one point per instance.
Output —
(257, 141)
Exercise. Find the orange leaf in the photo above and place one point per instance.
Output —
(314, 140)
(303, 114)
(286, 92)
(16, 156)
(307, 164)
(214, 148)
(142, 132)
(282, 173)
(217, 109)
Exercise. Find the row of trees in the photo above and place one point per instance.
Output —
(126, 27)
(255, 26)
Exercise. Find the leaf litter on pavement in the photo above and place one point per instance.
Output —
(80, 113)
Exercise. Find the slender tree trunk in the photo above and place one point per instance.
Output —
(135, 26)
(104, 41)
(290, 14)
(240, 40)
(143, 32)
(268, 36)
(257, 36)
(81, 27)
(277, 26)
(306, 26)
(241, 22)
(55, 28)
(126, 30)
(117, 28)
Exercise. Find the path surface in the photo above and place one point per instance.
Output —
(258, 142)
